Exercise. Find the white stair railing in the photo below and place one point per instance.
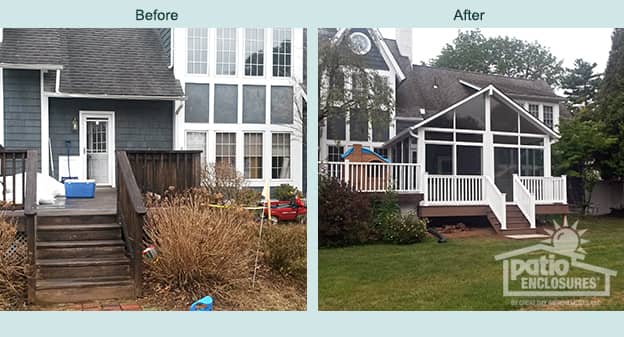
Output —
(376, 177)
(547, 190)
(524, 199)
(496, 200)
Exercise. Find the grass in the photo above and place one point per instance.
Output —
(459, 275)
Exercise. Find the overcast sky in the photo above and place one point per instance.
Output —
(590, 44)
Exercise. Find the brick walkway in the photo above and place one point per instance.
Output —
(95, 306)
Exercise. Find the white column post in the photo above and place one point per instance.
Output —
(565, 188)
(488, 142)
(45, 131)
(346, 171)
(547, 159)
(425, 186)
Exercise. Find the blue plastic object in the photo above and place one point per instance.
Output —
(205, 304)
(79, 188)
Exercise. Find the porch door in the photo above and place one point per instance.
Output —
(97, 146)
(505, 166)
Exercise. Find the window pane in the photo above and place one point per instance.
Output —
(334, 153)
(469, 137)
(505, 165)
(254, 103)
(444, 121)
(548, 116)
(432, 135)
(226, 51)
(254, 52)
(282, 41)
(439, 159)
(197, 141)
(281, 105)
(498, 139)
(226, 149)
(534, 110)
(197, 51)
(527, 127)
(358, 126)
(531, 141)
(336, 127)
(197, 103)
(471, 115)
(280, 161)
(381, 132)
(253, 156)
(532, 162)
(468, 160)
(226, 103)
(503, 118)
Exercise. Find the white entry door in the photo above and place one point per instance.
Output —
(97, 146)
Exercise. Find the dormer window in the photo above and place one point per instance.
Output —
(548, 115)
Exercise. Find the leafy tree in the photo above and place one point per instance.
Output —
(348, 88)
(582, 147)
(581, 85)
(472, 51)
(611, 106)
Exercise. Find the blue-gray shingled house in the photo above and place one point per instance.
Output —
(77, 95)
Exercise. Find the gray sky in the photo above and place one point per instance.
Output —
(590, 44)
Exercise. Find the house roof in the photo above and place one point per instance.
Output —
(380, 56)
(113, 62)
(434, 89)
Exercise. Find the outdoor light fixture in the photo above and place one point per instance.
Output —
(74, 124)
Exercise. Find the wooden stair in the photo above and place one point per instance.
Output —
(517, 223)
(81, 258)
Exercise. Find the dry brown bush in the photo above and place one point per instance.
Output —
(12, 267)
(201, 250)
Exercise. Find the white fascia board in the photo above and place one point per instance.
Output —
(127, 97)
(31, 66)
(387, 54)
(470, 85)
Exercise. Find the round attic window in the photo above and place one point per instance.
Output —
(360, 43)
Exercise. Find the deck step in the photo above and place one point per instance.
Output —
(76, 232)
(62, 219)
(75, 268)
(83, 289)
(82, 243)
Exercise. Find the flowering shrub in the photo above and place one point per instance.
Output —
(404, 229)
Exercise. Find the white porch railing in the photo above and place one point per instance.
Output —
(376, 177)
(547, 190)
(453, 190)
(449, 190)
(524, 199)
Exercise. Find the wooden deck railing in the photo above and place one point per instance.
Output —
(155, 171)
(131, 212)
(30, 215)
(12, 171)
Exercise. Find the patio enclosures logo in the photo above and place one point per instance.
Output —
(553, 268)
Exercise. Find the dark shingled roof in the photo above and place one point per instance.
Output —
(435, 89)
(128, 62)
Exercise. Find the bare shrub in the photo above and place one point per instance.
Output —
(201, 250)
(223, 179)
(285, 250)
(12, 267)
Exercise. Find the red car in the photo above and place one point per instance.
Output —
(293, 210)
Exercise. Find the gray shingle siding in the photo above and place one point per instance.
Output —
(139, 125)
(22, 109)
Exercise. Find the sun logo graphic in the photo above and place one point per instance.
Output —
(554, 267)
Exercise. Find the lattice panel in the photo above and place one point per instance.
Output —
(18, 250)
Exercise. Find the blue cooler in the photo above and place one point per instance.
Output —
(75, 188)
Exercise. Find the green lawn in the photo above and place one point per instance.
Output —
(459, 275)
